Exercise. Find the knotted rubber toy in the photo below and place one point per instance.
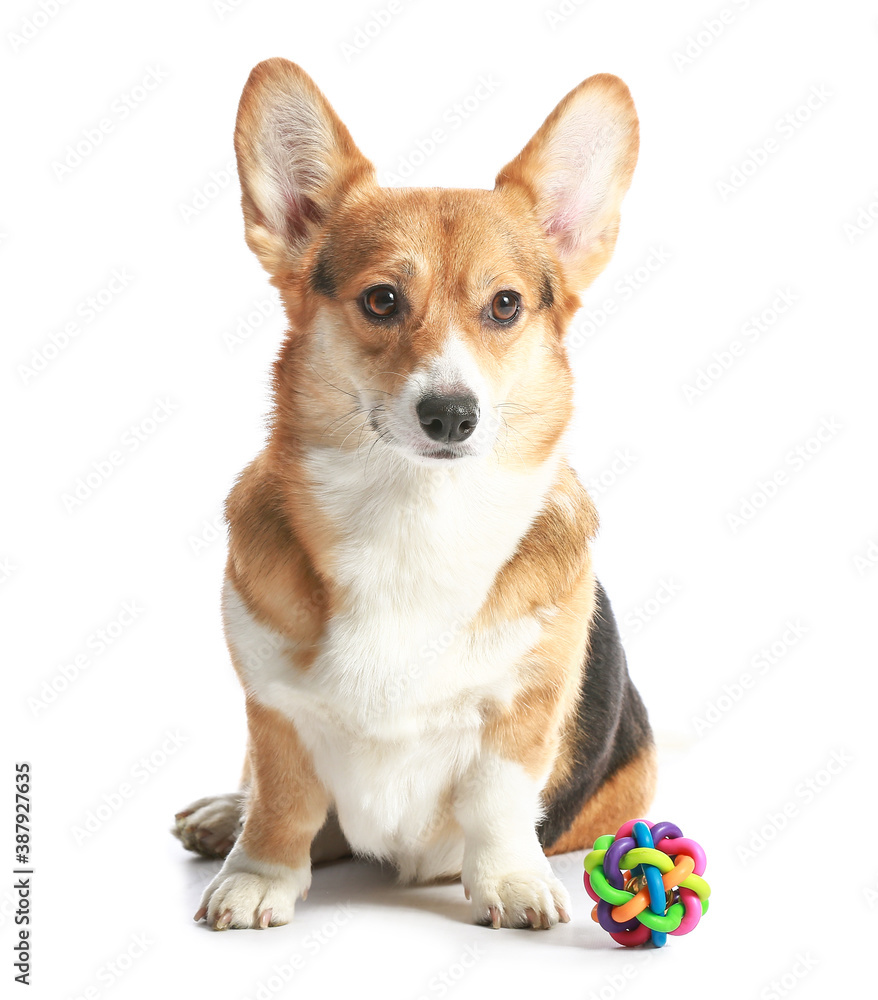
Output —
(646, 882)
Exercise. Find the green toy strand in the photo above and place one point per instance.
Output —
(593, 860)
(606, 891)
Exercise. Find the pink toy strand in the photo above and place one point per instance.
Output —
(589, 890)
(640, 935)
(692, 903)
(626, 829)
(683, 845)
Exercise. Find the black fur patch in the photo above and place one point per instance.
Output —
(323, 277)
(547, 296)
(611, 725)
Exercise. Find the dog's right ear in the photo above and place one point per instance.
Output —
(295, 161)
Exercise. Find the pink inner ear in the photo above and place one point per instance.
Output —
(290, 176)
(567, 223)
(295, 150)
(300, 212)
(580, 158)
(562, 224)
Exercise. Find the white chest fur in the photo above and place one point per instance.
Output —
(390, 708)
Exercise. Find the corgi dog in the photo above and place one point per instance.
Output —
(432, 673)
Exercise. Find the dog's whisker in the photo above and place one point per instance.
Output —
(508, 426)
(332, 384)
(354, 431)
(366, 466)
(516, 406)
(340, 420)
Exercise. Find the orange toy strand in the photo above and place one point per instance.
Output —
(637, 904)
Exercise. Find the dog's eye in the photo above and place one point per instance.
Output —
(505, 306)
(380, 301)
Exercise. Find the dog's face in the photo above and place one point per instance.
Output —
(437, 315)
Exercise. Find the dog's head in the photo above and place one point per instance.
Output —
(435, 316)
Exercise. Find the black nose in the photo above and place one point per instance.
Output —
(448, 418)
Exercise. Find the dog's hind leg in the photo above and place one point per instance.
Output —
(210, 826)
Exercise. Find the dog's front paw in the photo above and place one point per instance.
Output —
(211, 825)
(250, 893)
(519, 899)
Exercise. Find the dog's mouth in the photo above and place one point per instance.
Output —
(420, 451)
(442, 454)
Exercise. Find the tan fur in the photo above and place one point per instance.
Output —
(287, 804)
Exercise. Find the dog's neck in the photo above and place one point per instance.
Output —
(414, 523)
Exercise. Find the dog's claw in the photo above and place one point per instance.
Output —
(494, 913)
(265, 919)
(564, 915)
(201, 914)
(466, 892)
(223, 921)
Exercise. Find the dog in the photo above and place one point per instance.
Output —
(432, 672)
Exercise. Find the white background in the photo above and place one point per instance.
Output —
(745, 770)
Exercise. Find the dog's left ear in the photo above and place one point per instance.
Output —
(296, 161)
(576, 170)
